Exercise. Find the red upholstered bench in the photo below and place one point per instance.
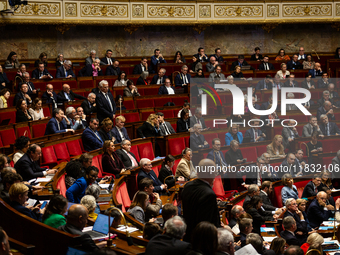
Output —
(249, 153)
(39, 130)
(176, 145)
(61, 152)
(61, 185)
(24, 131)
(261, 149)
(48, 156)
(145, 150)
(74, 148)
(123, 197)
(7, 136)
(145, 103)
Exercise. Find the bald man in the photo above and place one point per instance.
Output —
(67, 94)
(76, 221)
(4, 247)
(319, 211)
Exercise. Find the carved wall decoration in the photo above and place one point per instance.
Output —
(269, 27)
(70, 9)
(167, 11)
(307, 10)
(138, 11)
(63, 28)
(200, 28)
(272, 10)
(39, 9)
(118, 10)
(238, 11)
(132, 28)
(337, 9)
(205, 11)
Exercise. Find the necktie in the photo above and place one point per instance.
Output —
(109, 101)
(96, 134)
(255, 135)
(186, 125)
(29, 86)
(41, 74)
(267, 68)
(167, 132)
(58, 125)
(65, 73)
(134, 162)
(327, 130)
(73, 122)
(316, 190)
(109, 61)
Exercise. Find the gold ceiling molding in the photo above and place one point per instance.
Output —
(104, 10)
(70, 9)
(169, 11)
(272, 10)
(138, 11)
(241, 11)
(38, 9)
(205, 11)
(307, 10)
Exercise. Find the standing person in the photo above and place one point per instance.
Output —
(106, 106)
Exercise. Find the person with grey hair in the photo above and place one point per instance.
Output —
(183, 79)
(106, 106)
(185, 167)
(65, 71)
(68, 95)
(147, 172)
(336, 161)
(90, 60)
(326, 109)
(253, 190)
(89, 105)
(294, 250)
(256, 241)
(236, 212)
(77, 122)
(289, 134)
(92, 69)
(94, 190)
(126, 156)
(328, 128)
(318, 210)
(225, 242)
(291, 107)
(198, 119)
(26, 79)
(332, 93)
(170, 242)
(142, 80)
(90, 203)
(325, 97)
(234, 155)
(289, 225)
(167, 88)
(211, 66)
(160, 77)
(59, 123)
(197, 140)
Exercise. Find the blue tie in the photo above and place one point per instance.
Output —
(65, 73)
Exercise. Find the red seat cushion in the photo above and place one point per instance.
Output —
(327, 145)
(7, 136)
(123, 197)
(74, 148)
(180, 100)
(8, 115)
(249, 153)
(187, 141)
(24, 131)
(277, 195)
(218, 187)
(261, 149)
(129, 105)
(168, 114)
(145, 150)
(210, 137)
(176, 145)
(48, 156)
(134, 150)
(145, 103)
(131, 117)
(47, 112)
(39, 130)
(61, 152)
(156, 170)
(61, 185)
(96, 164)
(146, 114)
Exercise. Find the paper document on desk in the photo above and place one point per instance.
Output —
(44, 179)
(269, 239)
(31, 202)
(246, 250)
(104, 186)
(129, 229)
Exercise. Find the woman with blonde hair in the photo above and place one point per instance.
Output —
(4, 96)
(289, 190)
(150, 127)
(42, 59)
(276, 149)
(302, 204)
(59, 60)
(283, 73)
(314, 241)
(111, 163)
(105, 130)
(90, 203)
(233, 134)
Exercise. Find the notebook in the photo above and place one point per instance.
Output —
(101, 227)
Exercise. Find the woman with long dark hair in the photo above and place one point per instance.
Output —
(111, 163)
(22, 114)
(55, 210)
(121, 80)
(12, 60)
(179, 59)
(204, 239)
(138, 206)
(166, 171)
(196, 64)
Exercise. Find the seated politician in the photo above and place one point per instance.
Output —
(119, 132)
(113, 69)
(51, 97)
(166, 175)
(328, 128)
(105, 130)
(65, 71)
(327, 110)
(111, 163)
(89, 105)
(91, 138)
(234, 155)
(197, 140)
(27, 166)
(289, 190)
(233, 134)
(183, 79)
(183, 123)
(68, 95)
(318, 211)
(185, 168)
(147, 172)
(160, 77)
(290, 227)
(59, 123)
(255, 134)
(167, 88)
(311, 188)
(18, 194)
(41, 73)
(91, 69)
(131, 90)
(126, 156)
(77, 122)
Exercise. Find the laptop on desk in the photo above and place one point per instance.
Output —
(100, 228)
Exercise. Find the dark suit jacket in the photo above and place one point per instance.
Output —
(155, 79)
(116, 134)
(290, 238)
(259, 217)
(104, 60)
(141, 81)
(163, 173)
(28, 169)
(156, 182)
(105, 136)
(22, 209)
(291, 65)
(309, 191)
(301, 226)
(270, 65)
(19, 96)
(71, 95)
(179, 79)
(168, 125)
(181, 125)
(333, 129)
(87, 109)
(193, 121)
(52, 127)
(30, 86)
(287, 84)
(3, 78)
(103, 107)
(236, 63)
(111, 166)
(293, 171)
(304, 84)
(267, 203)
(321, 110)
(87, 71)
(287, 134)
(199, 204)
(147, 130)
(163, 91)
(211, 155)
(322, 84)
(167, 245)
(110, 70)
(260, 85)
(315, 73)
(154, 63)
(36, 72)
(138, 69)
(316, 214)
(322, 100)
(250, 133)
(21, 117)
(49, 99)
(125, 158)
(90, 140)
(61, 72)
(195, 141)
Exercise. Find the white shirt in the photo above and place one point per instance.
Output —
(170, 90)
(121, 134)
(109, 61)
(132, 163)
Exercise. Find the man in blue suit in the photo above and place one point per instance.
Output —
(160, 77)
(167, 88)
(317, 71)
(41, 73)
(91, 138)
(155, 60)
(265, 84)
(255, 133)
(183, 79)
(147, 172)
(51, 97)
(106, 106)
(318, 210)
(58, 124)
(328, 128)
(119, 131)
(65, 71)
(294, 63)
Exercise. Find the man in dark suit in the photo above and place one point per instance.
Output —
(289, 134)
(89, 104)
(325, 97)
(318, 210)
(28, 167)
(311, 127)
(113, 69)
(51, 97)
(301, 232)
(294, 63)
(119, 131)
(332, 93)
(323, 82)
(199, 200)
(201, 56)
(246, 227)
(198, 119)
(240, 62)
(291, 82)
(290, 166)
(255, 133)
(301, 55)
(216, 154)
(170, 242)
(58, 123)
(160, 77)
(328, 128)
(41, 73)
(107, 60)
(147, 172)
(311, 188)
(165, 127)
(156, 59)
(167, 88)
(126, 156)
(65, 71)
(183, 79)
(266, 190)
(265, 105)
(317, 71)
(326, 110)
(265, 84)
(143, 66)
(22, 95)
(266, 65)
(197, 141)
(253, 190)
(27, 80)
(91, 138)
(288, 234)
(236, 211)
(76, 220)
(106, 106)
(67, 94)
